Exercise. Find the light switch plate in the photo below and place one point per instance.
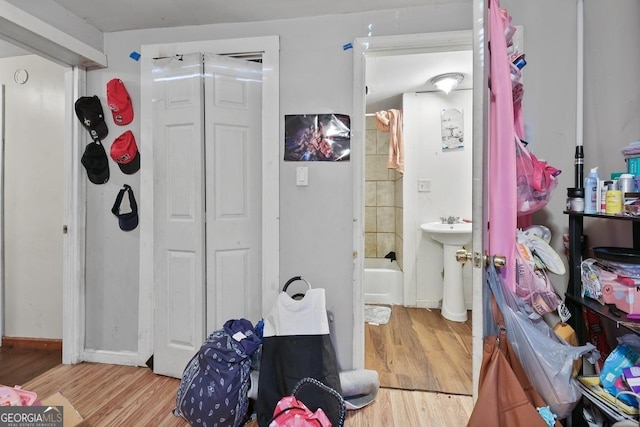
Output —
(302, 176)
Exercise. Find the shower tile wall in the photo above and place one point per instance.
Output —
(383, 197)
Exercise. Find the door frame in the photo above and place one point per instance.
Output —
(394, 45)
(270, 48)
(74, 228)
(480, 189)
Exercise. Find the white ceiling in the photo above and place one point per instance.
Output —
(118, 15)
(387, 76)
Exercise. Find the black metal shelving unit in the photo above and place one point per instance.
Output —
(573, 295)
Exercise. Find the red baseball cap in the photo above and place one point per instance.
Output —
(119, 102)
(124, 151)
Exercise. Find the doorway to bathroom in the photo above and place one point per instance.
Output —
(388, 205)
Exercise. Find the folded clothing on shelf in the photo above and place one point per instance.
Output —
(633, 149)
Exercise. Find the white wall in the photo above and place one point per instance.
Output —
(611, 112)
(33, 215)
(449, 173)
(316, 76)
(316, 221)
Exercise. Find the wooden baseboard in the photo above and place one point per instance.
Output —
(32, 343)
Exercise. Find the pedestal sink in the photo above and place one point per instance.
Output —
(452, 237)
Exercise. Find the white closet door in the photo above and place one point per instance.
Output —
(208, 201)
(233, 149)
(179, 293)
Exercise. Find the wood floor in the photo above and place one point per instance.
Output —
(110, 395)
(18, 366)
(420, 350)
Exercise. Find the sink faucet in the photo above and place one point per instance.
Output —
(450, 219)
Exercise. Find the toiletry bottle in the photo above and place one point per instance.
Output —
(614, 202)
(607, 185)
(626, 184)
(591, 192)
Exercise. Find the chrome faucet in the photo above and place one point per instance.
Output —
(450, 219)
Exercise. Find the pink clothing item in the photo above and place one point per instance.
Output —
(391, 121)
(290, 412)
(502, 155)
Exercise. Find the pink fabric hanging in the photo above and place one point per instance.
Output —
(502, 157)
(391, 121)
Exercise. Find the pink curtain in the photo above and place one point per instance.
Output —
(502, 156)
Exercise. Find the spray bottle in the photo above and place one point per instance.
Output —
(591, 192)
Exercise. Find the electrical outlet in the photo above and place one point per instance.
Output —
(424, 185)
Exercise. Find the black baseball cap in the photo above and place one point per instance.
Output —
(96, 163)
(90, 114)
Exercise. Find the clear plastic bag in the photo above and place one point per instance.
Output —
(533, 285)
(535, 181)
(546, 357)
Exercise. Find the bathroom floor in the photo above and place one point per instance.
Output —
(420, 350)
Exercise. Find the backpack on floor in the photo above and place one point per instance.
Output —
(215, 383)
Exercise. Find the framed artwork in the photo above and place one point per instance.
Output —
(452, 126)
(317, 137)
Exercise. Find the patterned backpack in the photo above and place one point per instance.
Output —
(214, 386)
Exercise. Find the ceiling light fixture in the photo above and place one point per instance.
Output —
(447, 82)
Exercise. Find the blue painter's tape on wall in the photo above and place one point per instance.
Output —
(134, 55)
(347, 46)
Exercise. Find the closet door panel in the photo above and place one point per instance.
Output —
(233, 129)
(179, 272)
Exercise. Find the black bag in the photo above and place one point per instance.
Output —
(296, 344)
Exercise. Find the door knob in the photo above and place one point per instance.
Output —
(463, 255)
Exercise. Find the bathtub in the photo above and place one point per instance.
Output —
(382, 281)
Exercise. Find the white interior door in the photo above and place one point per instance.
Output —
(233, 129)
(208, 201)
(179, 293)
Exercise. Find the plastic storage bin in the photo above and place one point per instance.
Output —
(633, 165)
(15, 396)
